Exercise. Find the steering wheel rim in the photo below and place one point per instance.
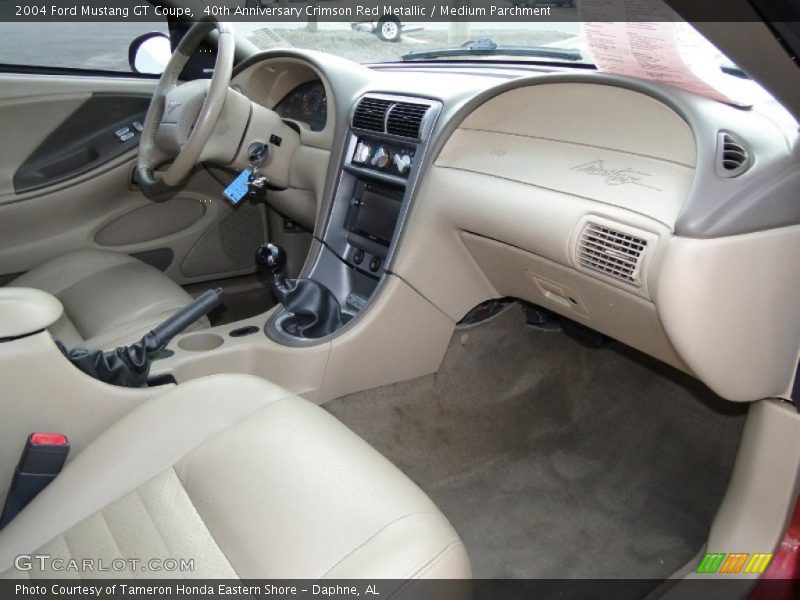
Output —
(182, 164)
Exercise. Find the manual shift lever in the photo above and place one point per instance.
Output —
(315, 311)
(129, 366)
(272, 259)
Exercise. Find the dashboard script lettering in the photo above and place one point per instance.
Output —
(613, 176)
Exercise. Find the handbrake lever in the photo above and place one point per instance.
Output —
(129, 366)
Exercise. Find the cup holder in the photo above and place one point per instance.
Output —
(200, 342)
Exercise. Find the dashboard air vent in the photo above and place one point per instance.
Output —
(405, 119)
(733, 159)
(370, 114)
(613, 253)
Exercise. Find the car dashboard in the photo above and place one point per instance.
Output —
(641, 211)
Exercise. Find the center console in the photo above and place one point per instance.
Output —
(384, 147)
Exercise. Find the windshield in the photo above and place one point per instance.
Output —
(670, 52)
(365, 42)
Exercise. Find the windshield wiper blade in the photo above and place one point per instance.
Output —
(487, 47)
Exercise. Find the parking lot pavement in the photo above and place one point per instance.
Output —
(101, 46)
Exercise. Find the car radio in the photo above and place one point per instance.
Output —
(373, 212)
(371, 221)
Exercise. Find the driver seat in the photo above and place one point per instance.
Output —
(110, 299)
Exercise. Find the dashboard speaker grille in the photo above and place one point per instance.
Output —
(613, 253)
(405, 119)
(370, 114)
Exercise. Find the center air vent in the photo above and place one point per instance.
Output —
(733, 159)
(613, 253)
(370, 114)
(403, 119)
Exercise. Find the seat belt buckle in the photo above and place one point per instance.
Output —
(42, 459)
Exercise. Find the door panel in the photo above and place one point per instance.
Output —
(32, 107)
(104, 127)
(75, 191)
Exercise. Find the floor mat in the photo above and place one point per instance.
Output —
(554, 460)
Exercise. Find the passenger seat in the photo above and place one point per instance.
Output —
(245, 479)
(110, 299)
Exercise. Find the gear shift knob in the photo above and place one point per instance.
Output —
(271, 258)
(313, 309)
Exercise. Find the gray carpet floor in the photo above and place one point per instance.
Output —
(554, 460)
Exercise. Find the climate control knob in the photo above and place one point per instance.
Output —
(382, 157)
(402, 162)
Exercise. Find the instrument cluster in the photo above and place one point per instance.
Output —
(307, 103)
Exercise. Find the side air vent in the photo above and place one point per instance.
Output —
(405, 119)
(613, 253)
(370, 114)
(733, 158)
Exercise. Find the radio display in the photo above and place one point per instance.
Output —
(375, 216)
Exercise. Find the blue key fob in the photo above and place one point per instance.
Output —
(238, 188)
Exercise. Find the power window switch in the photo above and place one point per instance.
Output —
(124, 134)
(138, 126)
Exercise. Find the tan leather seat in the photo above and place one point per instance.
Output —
(110, 299)
(245, 479)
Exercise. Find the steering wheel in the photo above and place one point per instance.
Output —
(181, 118)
